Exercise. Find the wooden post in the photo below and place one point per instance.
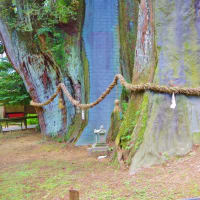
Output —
(73, 195)
(25, 122)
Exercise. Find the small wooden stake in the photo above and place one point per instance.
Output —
(60, 104)
(117, 107)
(73, 195)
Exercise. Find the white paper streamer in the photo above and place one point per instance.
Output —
(101, 157)
(83, 115)
(173, 105)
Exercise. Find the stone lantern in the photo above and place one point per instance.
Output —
(100, 136)
(100, 147)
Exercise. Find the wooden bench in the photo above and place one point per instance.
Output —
(16, 113)
(16, 117)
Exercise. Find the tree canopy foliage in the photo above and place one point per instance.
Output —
(38, 15)
(42, 22)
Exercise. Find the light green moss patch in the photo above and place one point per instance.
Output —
(127, 125)
(114, 126)
(196, 138)
(138, 133)
(143, 122)
(75, 129)
(86, 75)
(134, 119)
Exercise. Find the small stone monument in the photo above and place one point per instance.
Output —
(100, 147)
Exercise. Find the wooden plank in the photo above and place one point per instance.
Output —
(17, 118)
(73, 195)
(12, 119)
(14, 108)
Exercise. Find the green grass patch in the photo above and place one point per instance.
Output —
(34, 180)
(32, 121)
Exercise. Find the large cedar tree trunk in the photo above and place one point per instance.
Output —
(167, 53)
(42, 73)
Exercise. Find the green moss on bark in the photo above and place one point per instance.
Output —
(135, 112)
(196, 138)
(127, 126)
(142, 122)
(86, 75)
(139, 130)
(78, 125)
(114, 126)
(75, 129)
(132, 129)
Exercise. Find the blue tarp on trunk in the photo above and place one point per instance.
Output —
(100, 35)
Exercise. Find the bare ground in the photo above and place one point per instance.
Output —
(34, 168)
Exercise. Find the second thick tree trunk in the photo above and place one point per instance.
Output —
(168, 132)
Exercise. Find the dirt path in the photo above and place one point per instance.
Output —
(32, 168)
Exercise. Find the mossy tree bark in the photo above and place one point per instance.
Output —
(42, 72)
(143, 71)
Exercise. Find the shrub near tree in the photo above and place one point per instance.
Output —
(12, 89)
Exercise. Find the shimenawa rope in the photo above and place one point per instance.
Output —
(133, 88)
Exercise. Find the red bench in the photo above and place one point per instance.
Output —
(16, 114)
(16, 117)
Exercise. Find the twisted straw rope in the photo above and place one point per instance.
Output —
(133, 88)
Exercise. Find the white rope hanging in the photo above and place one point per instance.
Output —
(173, 104)
(83, 115)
